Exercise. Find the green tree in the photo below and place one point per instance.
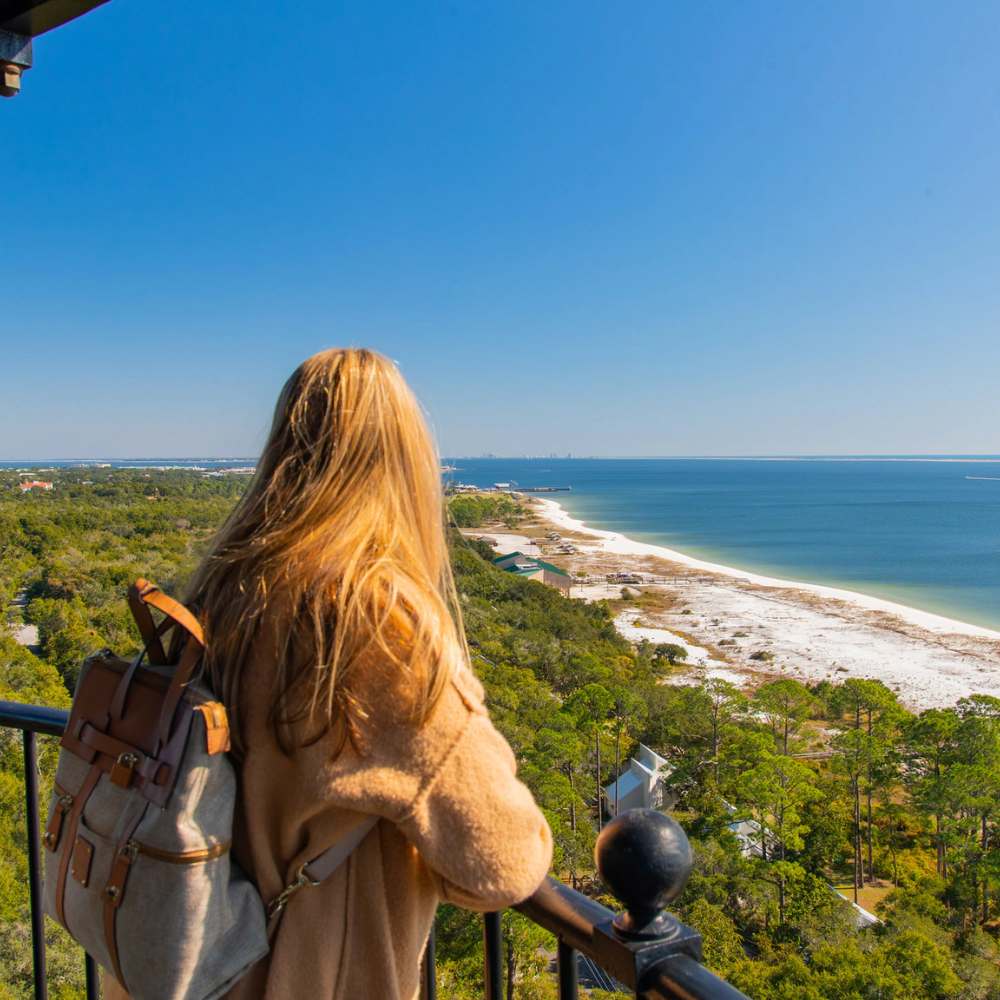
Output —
(592, 705)
(628, 711)
(775, 793)
(931, 742)
(785, 704)
(669, 652)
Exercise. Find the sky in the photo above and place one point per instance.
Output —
(679, 228)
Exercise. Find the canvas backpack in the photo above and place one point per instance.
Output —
(138, 863)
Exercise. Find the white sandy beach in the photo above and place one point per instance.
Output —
(725, 615)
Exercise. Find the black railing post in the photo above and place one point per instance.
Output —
(428, 977)
(93, 983)
(644, 859)
(493, 955)
(566, 964)
(34, 866)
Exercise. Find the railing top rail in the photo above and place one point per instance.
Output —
(661, 969)
(33, 718)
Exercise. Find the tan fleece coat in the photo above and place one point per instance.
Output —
(457, 826)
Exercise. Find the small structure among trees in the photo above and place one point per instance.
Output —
(534, 569)
(642, 785)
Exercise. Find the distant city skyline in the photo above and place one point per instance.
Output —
(87, 460)
(761, 229)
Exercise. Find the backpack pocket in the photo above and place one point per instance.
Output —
(91, 856)
(197, 946)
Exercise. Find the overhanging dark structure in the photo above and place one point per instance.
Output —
(23, 20)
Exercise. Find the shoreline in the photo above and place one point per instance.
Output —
(749, 628)
(620, 544)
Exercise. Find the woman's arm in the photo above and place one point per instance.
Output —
(450, 785)
(477, 826)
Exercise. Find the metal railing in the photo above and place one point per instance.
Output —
(33, 720)
(643, 857)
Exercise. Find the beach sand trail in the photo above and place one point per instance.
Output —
(810, 631)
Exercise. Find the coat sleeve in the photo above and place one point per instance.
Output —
(475, 824)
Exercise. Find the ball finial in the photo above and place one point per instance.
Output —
(644, 859)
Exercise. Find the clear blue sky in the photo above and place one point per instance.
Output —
(662, 228)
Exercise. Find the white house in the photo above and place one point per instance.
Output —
(642, 785)
(748, 834)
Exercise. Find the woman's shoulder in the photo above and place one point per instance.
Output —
(393, 756)
(468, 688)
(392, 722)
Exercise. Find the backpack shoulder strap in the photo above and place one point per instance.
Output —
(318, 870)
(321, 868)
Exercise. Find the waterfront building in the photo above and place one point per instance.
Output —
(534, 569)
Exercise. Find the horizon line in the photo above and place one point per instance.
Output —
(759, 456)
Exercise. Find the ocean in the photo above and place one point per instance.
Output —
(925, 533)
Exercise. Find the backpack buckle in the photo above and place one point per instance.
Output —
(280, 901)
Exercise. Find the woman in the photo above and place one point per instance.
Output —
(335, 641)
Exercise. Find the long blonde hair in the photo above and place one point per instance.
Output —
(339, 547)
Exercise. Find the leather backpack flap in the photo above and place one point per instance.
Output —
(127, 748)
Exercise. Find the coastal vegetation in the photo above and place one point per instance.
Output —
(472, 510)
(788, 793)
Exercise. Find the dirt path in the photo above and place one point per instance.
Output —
(23, 633)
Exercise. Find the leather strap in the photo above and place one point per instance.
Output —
(114, 892)
(147, 627)
(110, 746)
(145, 593)
(142, 596)
(72, 822)
(63, 805)
(148, 768)
(321, 868)
(121, 692)
(183, 672)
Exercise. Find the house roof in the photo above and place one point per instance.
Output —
(651, 759)
(627, 782)
(644, 765)
(551, 568)
(518, 562)
(510, 555)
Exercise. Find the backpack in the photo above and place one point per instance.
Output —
(138, 864)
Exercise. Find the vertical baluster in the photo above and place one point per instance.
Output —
(493, 954)
(34, 866)
(93, 983)
(566, 960)
(428, 985)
